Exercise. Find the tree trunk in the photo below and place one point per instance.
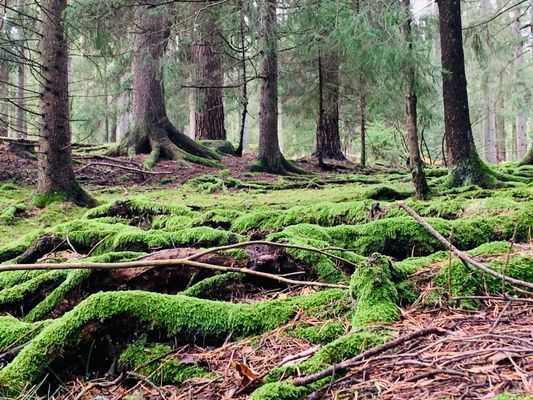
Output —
(4, 109)
(489, 112)
(270, 158)
(21, 127)
(415, 161)
(362, 116)
(464, 164)
(500, 131)
(210, 103)
(55, 173)
(328, 142)
(150, 130)
(521, 118)
(244, 76)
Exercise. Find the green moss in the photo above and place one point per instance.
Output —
(386, 193)
(324, 333)
(168, 370)
(339, 350)
(42, 200)
(8, 186)
(14, 331)
(467, 281)
(18, 247)
(9, 214)
(280, 391)
(216, 282)
(375, 293)
(510, 396)
(137, 206)
(170, 313)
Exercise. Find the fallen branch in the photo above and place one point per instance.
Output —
(458, 253)
(161, 263)
(274, 244)
(306, 380)
(104, 164)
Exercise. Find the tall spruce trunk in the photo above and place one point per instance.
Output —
(489, 112)
(501, 155)
(55, 176)
(521, 88)
(243, 131)
(415, 161)
(362, 123)
(328, 141)
(464, 164)
(21, 125)
(269, 155)
(209, 116)
(4, 106)
(150, 130)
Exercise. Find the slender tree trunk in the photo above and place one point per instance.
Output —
(415, 161)
(464, 165)
(55, 172)
(489, 112)
(210, 103)
(244, 77)
(362, 116)
(501, 155)
(523, 99)
(21, 127)
(270, 158)
(328, 141)
(4, 109)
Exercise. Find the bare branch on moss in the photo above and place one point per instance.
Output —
(162, 263)
(460, 254)
(273, 244)
(342, 366)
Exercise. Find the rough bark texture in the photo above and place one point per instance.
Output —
(464, 165)
(269, 156)
(521, 119)
(150, 130)
(362, 116)
(328, 141)
(55, 171)
(415, 161)
(210, 79)
(4, 109)
(489, 112)
(243, 134)
(501, 155)
(21, 126)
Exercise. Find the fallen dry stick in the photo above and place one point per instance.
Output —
(187, 261)
(458, 253)
(306, 380)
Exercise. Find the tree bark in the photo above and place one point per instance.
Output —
(4, 109)
(328, 142)
(362, 116)
(269, 156)
(489, 112)
(521, 118)
(21, 126)
(501, 155)
(244, 76)
(464, 164)
(150, 130)
(209, 114)
(55, 171)
(415, 161)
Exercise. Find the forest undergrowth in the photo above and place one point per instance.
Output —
(370, 288)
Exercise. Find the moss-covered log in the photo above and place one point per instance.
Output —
(175, 315)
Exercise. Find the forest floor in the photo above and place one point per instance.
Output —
(187, 332)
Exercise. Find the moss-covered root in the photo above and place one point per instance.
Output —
(172, 314)
(374, 290)
(278, 388)
(213, 283)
